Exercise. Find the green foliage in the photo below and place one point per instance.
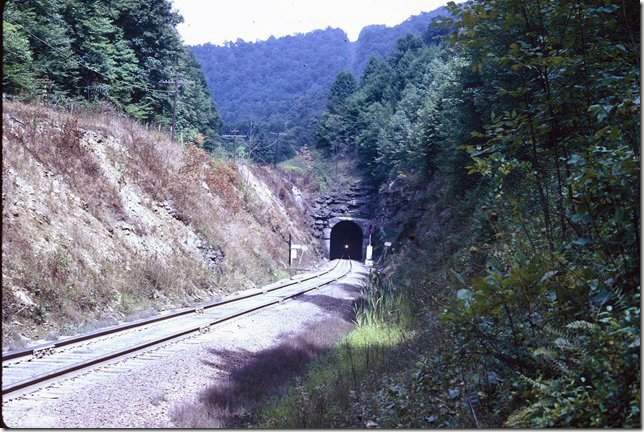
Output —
(408, 116)
(47, 68)
(566, 263)
(276, 81)
(335, 132)
(17, 61)
(341, 89)
(381, 303)
(596, 381)
(521, 136)
(286, 81)
(370, 123)
(123, 53)
(528, 121)
(330, 394)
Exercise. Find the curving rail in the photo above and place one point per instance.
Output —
(36, 349)
(202, 328)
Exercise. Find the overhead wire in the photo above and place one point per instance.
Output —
(83, 63)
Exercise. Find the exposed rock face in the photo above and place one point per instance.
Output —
(212, 255)
(356, 203)
(408, 215)
(103, 218)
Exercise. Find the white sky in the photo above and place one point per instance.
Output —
(217, 21)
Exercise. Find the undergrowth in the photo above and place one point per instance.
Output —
(518, 338)
(497, 335)
(327, 394)
(317, 173)
(103, 218)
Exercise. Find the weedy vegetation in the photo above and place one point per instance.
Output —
(98, 210)
(508, 161)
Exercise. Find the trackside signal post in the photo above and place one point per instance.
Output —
(369, 252)
(293, 251)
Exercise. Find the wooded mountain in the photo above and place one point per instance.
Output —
(508, 163)
(283, 83)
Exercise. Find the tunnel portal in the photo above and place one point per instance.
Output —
(346, 241)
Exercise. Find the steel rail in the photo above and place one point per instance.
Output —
(102, 359)
(122, 327)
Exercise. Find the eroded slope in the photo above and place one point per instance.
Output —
(103, 218)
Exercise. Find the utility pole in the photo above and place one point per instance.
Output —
(235, 132)
(234, 135)
(176, 93)
(289, 249)
(277, 147)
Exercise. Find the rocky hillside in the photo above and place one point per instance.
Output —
(103, 219)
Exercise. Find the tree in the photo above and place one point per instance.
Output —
(17, 65)
(335, 132)
(341, 89)
(45, 32)
(115, 51)
(371, 122)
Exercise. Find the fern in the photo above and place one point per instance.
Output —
(545, 352)
(562, 333)
(535, 384)
(581, 325)
(519, 417)
(620, 300)
(559, 365)
(565, 344)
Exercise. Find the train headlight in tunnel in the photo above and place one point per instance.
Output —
(345, 241)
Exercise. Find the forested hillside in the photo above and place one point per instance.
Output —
(281, 84)
(121, 52)
(103, 216)
(504, 142)
(380, 41)
(508, 161)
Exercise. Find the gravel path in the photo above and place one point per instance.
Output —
(145, 391)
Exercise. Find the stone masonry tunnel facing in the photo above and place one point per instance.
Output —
(346, 241)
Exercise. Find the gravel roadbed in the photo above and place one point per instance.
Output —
(142, 391)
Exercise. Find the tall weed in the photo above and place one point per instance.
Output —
(327, 395)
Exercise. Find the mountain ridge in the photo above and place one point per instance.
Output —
(287, 79)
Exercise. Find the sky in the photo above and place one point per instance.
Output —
(217, 21)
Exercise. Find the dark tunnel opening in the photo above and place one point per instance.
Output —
(346, 241)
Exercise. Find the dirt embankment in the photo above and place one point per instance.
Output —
(102, 218)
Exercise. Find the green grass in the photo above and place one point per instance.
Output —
(293, 166)
(323, 396)
(251, 378)
(325, 391)
(314, 170)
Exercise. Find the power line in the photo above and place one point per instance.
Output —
(84, 64)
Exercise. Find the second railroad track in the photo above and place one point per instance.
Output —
(29, 367)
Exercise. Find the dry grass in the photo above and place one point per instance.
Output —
(53, 141)
(98, 216)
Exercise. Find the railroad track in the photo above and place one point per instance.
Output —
(27, 368)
